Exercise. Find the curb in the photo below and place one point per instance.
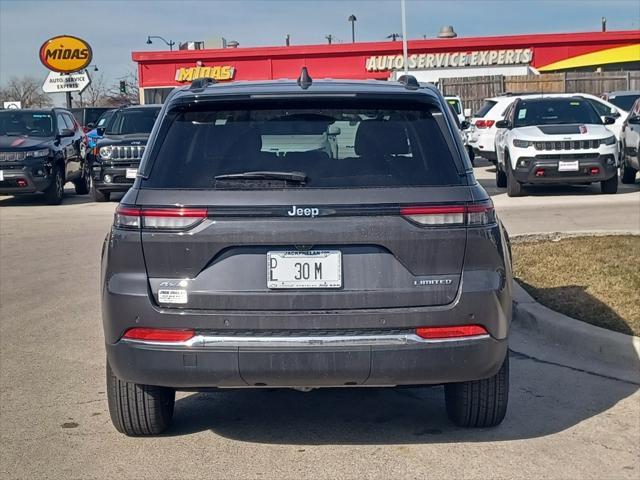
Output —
(556, 236)
(608, 353)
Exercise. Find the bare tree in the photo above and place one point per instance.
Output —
(95, 95)
(27, 90)
(130, 95)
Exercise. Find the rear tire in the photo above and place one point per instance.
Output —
(480, 403)
(100, 196)
(138, 410)
(501, 177)
(610, 185)
(514, 187)
(628, 174)
(54, 193)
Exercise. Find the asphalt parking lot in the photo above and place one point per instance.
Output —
(562, 422)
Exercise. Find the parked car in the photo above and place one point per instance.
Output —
(41, 150)
(555, 140)
(231, 266)
(88, 116)
(623, 99)
(117, 154)
(463, 129)
(483, 131)
(631, 144)
(455, 103)
(93, 136)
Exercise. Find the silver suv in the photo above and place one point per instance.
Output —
(235, 262)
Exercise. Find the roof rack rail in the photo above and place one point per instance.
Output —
(512, 94)
(304, 80)
(409, 82)
(201, 83)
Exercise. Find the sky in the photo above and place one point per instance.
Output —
(115, 28)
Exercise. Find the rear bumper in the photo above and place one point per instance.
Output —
(605, 165)
(230, 364)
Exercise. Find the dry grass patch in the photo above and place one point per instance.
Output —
(593, 279)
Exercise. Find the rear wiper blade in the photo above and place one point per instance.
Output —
(299, 177)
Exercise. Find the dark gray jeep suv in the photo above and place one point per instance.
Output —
(303, 235)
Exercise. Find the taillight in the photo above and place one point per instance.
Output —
(158, 218)
(167, 335)
(449, 215)
(484, 123)
(458, 331)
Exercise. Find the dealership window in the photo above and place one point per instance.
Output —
(156, 95)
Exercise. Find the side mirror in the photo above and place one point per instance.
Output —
(464, 125)
(333, 131)
(635, 120)
(66, 132)
(608, 120)
(90, 125)
(614, 114)
(100, 131)
(503, 124)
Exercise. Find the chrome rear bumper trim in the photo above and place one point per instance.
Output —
(207, 341)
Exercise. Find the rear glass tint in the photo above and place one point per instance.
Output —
(484, 109)
(332, 147)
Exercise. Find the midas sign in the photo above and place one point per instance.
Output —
(224, 72)
(65, 54)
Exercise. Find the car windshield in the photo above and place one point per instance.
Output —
(454, 103)
(278, 146)
(625, 102)
(32, 124)
(104, 118)
(132, 120)
(555, 111)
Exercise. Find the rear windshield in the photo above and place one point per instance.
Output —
(32, 124)
(325, 148)
(132, 120)
(484, 109)
(555, 111)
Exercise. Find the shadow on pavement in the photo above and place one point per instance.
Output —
(37, 199)
(574, 301)
(545, 398)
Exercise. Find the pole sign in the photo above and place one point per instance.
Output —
(66, 54)
(62, 82)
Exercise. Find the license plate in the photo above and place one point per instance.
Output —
(568, 166)
(1, 176)
(132, 172)
(311, 269)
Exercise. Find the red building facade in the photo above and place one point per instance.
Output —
(160, 71)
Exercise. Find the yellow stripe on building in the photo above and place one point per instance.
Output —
(628, 53)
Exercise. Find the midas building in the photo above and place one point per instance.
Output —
(429, 60)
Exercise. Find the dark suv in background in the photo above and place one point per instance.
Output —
(300, 235)
(41, 150)
(116, 155)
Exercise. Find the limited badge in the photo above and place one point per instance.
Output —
(172, 296)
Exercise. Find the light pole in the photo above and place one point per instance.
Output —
(352, 18)
(170, 43)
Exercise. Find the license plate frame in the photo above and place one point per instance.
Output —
(282, 269)
(131, 173)
(568, 166)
